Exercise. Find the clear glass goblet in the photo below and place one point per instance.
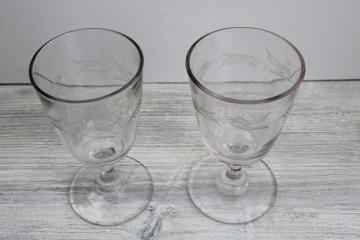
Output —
(89, 82)
(243, 84)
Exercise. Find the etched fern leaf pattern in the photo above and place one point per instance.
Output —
(209, 115)
(91, 66)
(249, 121)
(232, 58)
(281, 70)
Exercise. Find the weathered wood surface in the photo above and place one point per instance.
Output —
(316, 161)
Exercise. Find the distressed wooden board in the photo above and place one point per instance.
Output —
(316, 161)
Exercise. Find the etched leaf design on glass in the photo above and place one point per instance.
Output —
(51, 112)
(232, 58)
(124, 72)
(209, 115)
(203, 69)
(249, 121)
(281, 70)
(91, 66)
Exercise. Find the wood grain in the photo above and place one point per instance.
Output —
(316, 161)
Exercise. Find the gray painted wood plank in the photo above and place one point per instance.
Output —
(316, 161)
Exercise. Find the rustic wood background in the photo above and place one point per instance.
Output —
(316, 161)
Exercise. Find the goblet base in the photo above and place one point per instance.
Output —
(124, 200)
(226, 204)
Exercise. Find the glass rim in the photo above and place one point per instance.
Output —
(207, 91)
(121, 89)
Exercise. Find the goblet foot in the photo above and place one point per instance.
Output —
(216, 194)
(116, 203)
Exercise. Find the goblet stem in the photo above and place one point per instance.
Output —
(109, 178)
(234, 172)
(111, 194)
(232, 180)
(108, 173)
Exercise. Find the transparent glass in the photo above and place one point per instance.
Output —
(89, 82)
(243, 83)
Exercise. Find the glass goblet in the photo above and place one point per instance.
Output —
(89, 82)
(243, 84)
